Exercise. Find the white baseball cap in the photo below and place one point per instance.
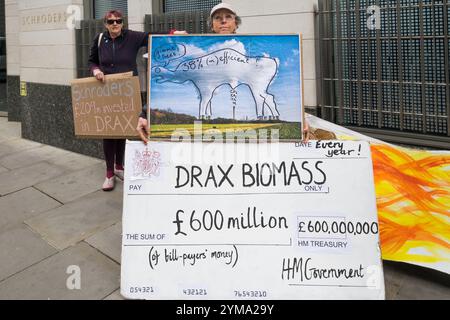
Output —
(222, 5)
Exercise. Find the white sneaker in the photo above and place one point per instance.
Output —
(119, 174)
(109, 183)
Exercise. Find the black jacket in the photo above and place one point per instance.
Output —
(117, 55)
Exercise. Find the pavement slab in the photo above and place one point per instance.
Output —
(22, 205)
(9, 130)
(49, 279)
(75, 185)
(9, 147)
(71, 161)
(22, 178)
(109, 242)
(410, 282)
(32, 156)
(78, 220)
(417, 287)
(393, 280)
(20, 248)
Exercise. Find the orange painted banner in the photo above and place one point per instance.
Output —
(413, 199)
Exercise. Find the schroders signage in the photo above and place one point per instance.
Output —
(44, 19)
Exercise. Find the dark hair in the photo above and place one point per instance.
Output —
(110, 13)
(209, 22)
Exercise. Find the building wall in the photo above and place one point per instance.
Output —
(42, 55)
(47, 44)
(137, 9)
(287, 16)
(12, 37)
(12, 59)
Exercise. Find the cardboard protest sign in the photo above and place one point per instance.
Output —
(228, 82)
(250, 221)
(107, 109)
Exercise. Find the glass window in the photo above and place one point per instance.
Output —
(103, 6)
(189, 5)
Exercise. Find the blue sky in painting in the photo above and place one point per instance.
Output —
(183, 98)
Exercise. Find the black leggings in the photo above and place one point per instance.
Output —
(114, 150)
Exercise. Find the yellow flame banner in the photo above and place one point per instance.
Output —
(413, 199)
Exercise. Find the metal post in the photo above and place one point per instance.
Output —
(447, 76)
(318, 49)
(435, 85)
(400, 67)
(349, 64)
(422, 67)
(379, 76)
(358, 58)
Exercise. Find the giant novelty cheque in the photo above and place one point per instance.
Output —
(243, 220)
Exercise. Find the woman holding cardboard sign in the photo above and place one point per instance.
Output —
(223, 19)
(114, 51)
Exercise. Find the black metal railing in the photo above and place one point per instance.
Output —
(391, 82)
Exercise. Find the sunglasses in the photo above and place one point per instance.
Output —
(111, 21)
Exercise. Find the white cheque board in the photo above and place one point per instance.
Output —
(250, 221)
